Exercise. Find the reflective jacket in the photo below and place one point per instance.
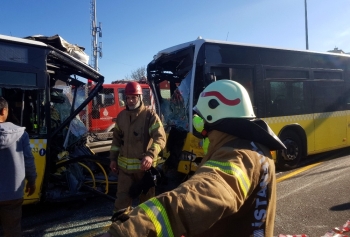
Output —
(137, 133)
(233, 193)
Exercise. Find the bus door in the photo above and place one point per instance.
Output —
(330, 119)
(26, 109)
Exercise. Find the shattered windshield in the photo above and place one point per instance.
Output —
(61, 110)
(170, 73)
(175, 108)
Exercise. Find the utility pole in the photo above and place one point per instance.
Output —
(95, 50)
(94, 29)
(306, 30)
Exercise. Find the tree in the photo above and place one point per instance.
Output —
(137, 74)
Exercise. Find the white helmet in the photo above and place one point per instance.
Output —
(224, 99)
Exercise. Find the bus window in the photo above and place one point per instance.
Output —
(287, 98)
(244, 76)
(328, 96)
(26, 108)
(61, 110)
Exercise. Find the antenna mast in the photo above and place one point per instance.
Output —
(96, 47)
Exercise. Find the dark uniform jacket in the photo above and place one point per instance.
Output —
(233, 193)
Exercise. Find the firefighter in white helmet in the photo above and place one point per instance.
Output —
(233, 192)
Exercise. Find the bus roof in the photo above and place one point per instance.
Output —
(21, 40)
(65, 57)
(199, 41)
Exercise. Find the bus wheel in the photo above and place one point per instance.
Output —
(289, 158)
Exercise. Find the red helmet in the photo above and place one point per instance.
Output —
(133, 88)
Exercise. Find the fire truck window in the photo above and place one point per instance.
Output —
(106, 98)
(121, 97)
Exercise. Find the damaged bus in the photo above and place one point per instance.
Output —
(46, 87)
(302, 95)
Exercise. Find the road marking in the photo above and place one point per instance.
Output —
(297, 172)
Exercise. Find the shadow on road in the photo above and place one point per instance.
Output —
(341, 207)
(324, 156)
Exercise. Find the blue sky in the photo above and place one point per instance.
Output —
(135, 30)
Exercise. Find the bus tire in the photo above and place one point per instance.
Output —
(289, 159)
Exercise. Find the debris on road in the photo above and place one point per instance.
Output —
(335, 232)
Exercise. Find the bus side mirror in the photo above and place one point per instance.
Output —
(209, 78)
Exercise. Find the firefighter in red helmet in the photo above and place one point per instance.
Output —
(138, 137)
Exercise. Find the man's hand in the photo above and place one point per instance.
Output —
(146, 162)
(30, 189)
(114, 166)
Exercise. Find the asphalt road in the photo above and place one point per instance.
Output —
(317, 199)
(311, 200)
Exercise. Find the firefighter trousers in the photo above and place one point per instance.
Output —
(125, 180)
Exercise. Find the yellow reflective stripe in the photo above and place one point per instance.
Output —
(154, 126)
(115, 148)
(232, 169)
(129, 160)
(157, 213)
(129, 163)
(129, 167)
(156, 147)
(132, 163)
